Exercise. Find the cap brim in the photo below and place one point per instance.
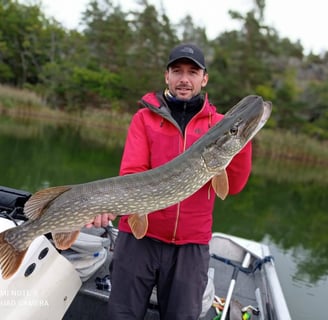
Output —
(189, 58)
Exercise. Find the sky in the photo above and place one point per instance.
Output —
(304, 20)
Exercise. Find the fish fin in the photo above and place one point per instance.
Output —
(33, 208)
(64, 240)
(138, 225)
(220, 184)
(10, 258)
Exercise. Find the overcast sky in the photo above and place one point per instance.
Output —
(304, 20)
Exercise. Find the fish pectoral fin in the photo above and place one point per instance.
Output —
(33, 208)
(10, 258)
(64, 240)
(138, 225)
(220, 184)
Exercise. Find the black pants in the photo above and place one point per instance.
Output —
(180, 273)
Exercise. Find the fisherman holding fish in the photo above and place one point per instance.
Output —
(169, 247)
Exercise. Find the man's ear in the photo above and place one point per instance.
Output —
(205, 80)
(166, 76)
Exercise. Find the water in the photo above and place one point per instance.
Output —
(290, 217)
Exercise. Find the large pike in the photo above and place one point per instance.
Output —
(64, 210)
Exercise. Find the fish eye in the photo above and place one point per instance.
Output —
(234, 130)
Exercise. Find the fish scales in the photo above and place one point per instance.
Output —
(141, 198)
(66, 209)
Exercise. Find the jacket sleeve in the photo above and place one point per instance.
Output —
(136, 149)
(239, 169)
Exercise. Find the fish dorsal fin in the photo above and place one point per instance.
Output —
(64, 240)
(220, 184)
(138, 225)
(34, 206)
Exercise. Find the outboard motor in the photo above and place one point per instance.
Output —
(12, 203)
(46, 282)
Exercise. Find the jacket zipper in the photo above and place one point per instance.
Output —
(183, 150)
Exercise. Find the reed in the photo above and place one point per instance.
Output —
(285, 156)
(94, 123)
(280, 155)
(11, 98)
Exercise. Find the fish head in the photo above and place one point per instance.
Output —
(239, 125)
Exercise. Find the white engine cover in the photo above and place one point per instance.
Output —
(44, 293)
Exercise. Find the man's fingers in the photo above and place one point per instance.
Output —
(101, 220)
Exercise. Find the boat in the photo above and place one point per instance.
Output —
(75, 283)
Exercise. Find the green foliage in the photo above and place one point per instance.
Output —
(80, 87)
(21, 37)
(315, 112)
(119, 55)
(93, 87)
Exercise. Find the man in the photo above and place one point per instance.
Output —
(174, 253)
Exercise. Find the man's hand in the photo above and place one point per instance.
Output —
(101, 220)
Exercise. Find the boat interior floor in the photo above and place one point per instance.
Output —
(91, 302)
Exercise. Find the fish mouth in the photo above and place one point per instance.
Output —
(267, 108)
(259, 120)
(253, 113)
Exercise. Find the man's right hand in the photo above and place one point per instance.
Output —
(101, 220)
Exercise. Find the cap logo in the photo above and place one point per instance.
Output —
(187, 50)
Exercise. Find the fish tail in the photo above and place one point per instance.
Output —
(10, 258)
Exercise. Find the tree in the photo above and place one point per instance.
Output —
(146, 62)
(107, 34)
(316, 111)
(22, 42)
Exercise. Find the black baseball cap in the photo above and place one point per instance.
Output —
(187, 51)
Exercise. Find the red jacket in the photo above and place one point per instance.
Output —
(153, 139)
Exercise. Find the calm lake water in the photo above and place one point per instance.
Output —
(290, 217)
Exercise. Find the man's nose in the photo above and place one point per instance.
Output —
(184, 77)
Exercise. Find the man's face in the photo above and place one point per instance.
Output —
(185, 79)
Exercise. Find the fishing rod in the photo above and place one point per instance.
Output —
(245, 264)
